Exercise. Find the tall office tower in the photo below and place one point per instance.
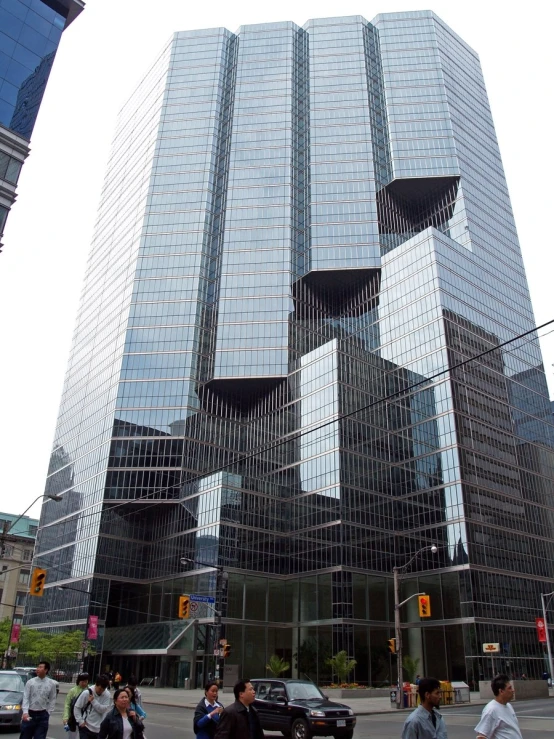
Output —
(30, 31)
(304, 240)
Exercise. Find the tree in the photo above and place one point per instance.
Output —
(277, 665)
(341, 665)
(410, 666)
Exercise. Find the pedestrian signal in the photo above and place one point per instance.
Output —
(184, 606)
(424, 606)
(38, 579)
(392, 646)
(227, 650)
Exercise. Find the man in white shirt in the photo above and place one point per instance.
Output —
(39, 700)
(499, 720)
(91, 708)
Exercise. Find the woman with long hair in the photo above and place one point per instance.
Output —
(207, 712)
(121, 722)
(135, 705)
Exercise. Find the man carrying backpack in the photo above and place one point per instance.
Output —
(70, 700)
(91, 707)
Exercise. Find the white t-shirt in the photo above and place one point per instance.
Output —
(498, 721)
(127, 728)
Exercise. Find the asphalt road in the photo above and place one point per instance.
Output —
(536, 720)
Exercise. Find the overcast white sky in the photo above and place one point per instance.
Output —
(101, 58)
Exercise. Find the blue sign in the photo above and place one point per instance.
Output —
(202, 599)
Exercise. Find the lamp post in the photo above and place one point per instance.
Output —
(221, 588)
(544, 604)
(397, 572)
(6, 528)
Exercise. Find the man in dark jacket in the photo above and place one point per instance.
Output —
(240, 720)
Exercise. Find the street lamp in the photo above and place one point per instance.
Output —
(544, 604)
(7, 527)
(222, 578)
(397, 572)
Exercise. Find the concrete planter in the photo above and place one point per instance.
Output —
(337, 693)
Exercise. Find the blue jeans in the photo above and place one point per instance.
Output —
(36, 727)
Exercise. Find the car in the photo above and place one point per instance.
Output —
(298, 708)
(11, 696)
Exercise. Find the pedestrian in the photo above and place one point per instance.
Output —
(133, 705)
(68, 718)
(39, 700)
(498, 719)
(426, 722)
(91, 707)
(117, 679)
(240, 719)
(121, 722)
(207, 712)
(417, 679)
(133, 683)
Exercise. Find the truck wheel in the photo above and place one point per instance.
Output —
(300, 729)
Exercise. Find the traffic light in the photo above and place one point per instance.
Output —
(392, 646)
(38, 579)
(184, 606)
(226, 650)
(424, 606)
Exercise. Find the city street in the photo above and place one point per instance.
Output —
(536, 719)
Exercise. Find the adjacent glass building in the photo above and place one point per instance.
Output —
(30, 31)
(296, 358)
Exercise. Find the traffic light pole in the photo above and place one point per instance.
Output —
(550, 667)
(398, 635)
(397, 623)
(221, 594)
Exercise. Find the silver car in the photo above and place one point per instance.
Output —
(11, 695)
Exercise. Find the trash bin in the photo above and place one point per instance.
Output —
(461, 692)
(409, 695)
(187, 683)
(447, 693)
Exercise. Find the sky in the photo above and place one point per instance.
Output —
(101, 58)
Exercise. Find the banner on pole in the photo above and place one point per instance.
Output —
(16, 632)
(541, 630)
(92, 632)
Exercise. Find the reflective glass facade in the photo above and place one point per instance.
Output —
(304, 239)
(30, 31)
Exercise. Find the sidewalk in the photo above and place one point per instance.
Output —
(180, 698)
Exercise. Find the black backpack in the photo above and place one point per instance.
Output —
(71, 722)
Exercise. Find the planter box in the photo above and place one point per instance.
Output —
(336, 693)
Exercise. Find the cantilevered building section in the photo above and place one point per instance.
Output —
(303, 236)
(30, 31)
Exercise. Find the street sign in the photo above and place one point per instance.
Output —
(202, 599)
(491, 648)
(216, 652)
(193, 606)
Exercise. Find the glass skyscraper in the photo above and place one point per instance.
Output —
(296, 358)
(30, 31)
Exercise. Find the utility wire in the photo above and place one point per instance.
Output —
(297, 435)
